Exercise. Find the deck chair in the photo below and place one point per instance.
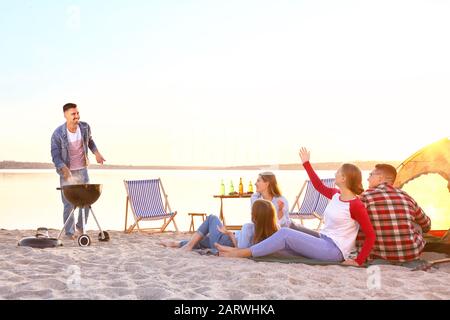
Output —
(313, 205)
(146, 202)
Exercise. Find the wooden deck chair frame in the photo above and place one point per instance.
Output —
(312, 215)
(167, 220)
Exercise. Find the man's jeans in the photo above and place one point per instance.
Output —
(78, 177)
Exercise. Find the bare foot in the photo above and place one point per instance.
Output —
(186, 248)
(232, 252)
(169, 243)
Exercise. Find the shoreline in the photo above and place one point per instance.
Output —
(363, 165)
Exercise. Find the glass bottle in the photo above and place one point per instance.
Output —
(250, 187)
(231, 187)
(241, 187)
(222, 188)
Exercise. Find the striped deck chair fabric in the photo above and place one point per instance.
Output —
(147, 203)
(314, 203)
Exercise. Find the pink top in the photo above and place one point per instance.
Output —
(77, 157)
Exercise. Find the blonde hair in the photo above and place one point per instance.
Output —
(265, 219)
(273, 187)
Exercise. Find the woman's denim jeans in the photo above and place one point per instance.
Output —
(211, 234)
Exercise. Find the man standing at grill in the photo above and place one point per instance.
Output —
(69, 148)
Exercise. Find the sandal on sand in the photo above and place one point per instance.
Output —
(427, 265)
(42, 233)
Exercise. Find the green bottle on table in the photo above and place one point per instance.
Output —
(231, 187)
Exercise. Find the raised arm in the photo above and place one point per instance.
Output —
(315, 180)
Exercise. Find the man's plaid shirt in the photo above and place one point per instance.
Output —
(398, 223)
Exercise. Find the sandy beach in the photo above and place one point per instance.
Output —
(136, 267)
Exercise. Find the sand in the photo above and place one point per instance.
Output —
(136, 267)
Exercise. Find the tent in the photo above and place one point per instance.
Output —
(434, 158)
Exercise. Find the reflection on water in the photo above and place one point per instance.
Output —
(29, 198)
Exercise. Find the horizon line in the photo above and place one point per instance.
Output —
(11, 164)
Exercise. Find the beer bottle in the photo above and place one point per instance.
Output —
(222, 188)
(250, 187)
(231, 187)
(241, 187)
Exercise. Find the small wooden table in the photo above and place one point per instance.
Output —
(195, 214)
(235, 196)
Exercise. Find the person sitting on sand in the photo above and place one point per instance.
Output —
(397, 219)
(212, 231)
(267, 189)
(343, 216)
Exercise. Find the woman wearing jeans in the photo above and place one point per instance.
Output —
(212, 231)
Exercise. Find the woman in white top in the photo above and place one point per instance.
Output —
(267, 189)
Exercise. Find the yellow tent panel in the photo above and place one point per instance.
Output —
(434, 158)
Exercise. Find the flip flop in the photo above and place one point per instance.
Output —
(429, 264)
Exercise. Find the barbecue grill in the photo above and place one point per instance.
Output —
(83, 196)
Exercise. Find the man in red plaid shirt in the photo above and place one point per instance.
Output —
(396, 218)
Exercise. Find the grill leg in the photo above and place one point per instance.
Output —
(67, 221)
(83, 216)
(98, 225)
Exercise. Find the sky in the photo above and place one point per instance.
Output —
(226, 82)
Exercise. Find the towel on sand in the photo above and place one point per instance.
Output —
(413, 265)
